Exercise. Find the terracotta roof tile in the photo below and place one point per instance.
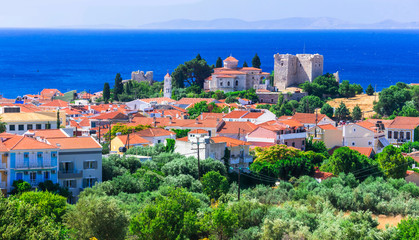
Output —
(235, 127)
(236, 114)
(68, 143)
(154, 132)
(231, 59)
(405, 123)
(198, 131)
(133, 139)
(231, 142)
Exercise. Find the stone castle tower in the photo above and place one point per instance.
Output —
(167, 86)
(292, 70)
(139, 76)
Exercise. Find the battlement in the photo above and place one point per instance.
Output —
(292, 70)
(139, 76)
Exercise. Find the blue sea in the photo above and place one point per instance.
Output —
(33, 59)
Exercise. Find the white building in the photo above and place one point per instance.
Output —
(199, 141)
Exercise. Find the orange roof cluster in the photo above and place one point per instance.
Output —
(327, 127)
(206, 115)
(70, 143)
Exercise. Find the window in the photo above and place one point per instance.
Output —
(90, 164)
(354, 129)
(401, 135)
(353, 143)
(369, 143)
(89, 182)
(293, 144)
(70, 183)
(389, 134)
(272, 100)
(302, 142)
(47, 176)
(286, 143)
(237, 83)
(396, 135)
(12, 128)
(54, 155)
(19, 176)
(408, 135)
(21, 127)
(29, 127)
(158, 141)
(221, 84)
(209, 133)
(39, 154)
(26, 155)
(38, 126)
(282, 64)
(228, 84)
(32, 176)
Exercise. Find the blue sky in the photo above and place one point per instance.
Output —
(132, 13)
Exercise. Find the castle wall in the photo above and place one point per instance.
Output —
(293, 70)
(139, 76)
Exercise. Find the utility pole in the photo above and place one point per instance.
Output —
(238, 192)
(99, 134)
(315, 128)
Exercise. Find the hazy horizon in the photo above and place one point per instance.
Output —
(134, 13)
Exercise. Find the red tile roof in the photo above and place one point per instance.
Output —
(111, 116)
(188, 101)
(16, 142)
(154, 132)
(231, 142)
(235, 127)
(236, 114)
(159, 100)
(253, 115)
(198, 131)
(68, 143)
(133, 139)
(307, 118)
(405, 123)
(56, 103)
(48, 133)
(231, 59)
(322, 175)
(327, 127)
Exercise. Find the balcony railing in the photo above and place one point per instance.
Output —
(70, 174)
(33, 165)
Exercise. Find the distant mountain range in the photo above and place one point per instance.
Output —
(286, 23)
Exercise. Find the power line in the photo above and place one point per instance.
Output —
(386, 170)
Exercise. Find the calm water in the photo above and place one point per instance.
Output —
(31, 60)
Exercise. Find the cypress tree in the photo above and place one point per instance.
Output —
(256, 61)
(58, 119)
(119, 87)
(198, 57)
(245, 64)
(219, 63)
(106, 92)
(370, 90)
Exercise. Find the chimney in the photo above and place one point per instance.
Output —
(154, 122)
(170, 120)
(196, 121)
(162, 113)
(218, 121)
(202, 117)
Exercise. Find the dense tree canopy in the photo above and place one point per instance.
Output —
(118, 87)
(392, 162)
(327, 110)
(325, 85)
(192, 72)
(356, 113)
(256, 61)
